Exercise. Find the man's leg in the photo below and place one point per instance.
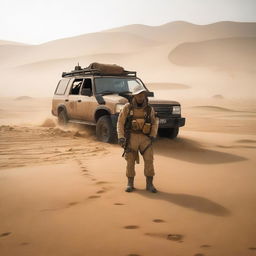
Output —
(130, 158)
(148, 157)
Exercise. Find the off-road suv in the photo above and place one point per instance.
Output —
(95, 96)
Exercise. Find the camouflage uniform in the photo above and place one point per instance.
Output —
(138, 141)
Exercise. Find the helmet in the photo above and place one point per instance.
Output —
(138, 89)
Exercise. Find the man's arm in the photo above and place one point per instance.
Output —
(154, 123)
(121, 121)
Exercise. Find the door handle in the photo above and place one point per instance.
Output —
(79, 100)
(66, 99)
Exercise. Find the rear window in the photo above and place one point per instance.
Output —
(62, 86)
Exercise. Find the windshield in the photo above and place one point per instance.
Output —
(105, 85)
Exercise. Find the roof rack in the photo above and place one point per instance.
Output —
(97, 71)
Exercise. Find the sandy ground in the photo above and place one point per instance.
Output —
(62, 191)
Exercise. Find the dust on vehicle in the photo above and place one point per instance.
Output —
(96, 94)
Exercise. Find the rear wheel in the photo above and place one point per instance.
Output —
(105, 131)
(171, 133)
(62, 118)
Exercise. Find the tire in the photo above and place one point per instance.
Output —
(171, 133)
(105, 131)
(62, 118)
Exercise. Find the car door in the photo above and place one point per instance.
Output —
(72, 99)
(84, 102)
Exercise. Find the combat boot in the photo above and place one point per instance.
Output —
(150, 187)
(130, 185)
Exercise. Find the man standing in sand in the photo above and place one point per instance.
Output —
(137, 128)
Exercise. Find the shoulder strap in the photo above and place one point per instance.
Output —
(148, 114)
(130, 110)
(128, 120)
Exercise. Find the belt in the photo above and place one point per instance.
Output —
(138, 131)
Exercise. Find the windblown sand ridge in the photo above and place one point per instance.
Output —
(226, 53)
(224, 64)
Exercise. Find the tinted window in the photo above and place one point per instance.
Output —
(62, 86)
(75, 88)
(117, 85)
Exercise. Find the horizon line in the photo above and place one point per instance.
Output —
(131, 24)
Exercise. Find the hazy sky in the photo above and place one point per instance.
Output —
(38, 21)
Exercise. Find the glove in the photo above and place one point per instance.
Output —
(121, 142)
(152, 138)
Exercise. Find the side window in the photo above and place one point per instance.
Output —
(87, 83)
(62, 86)
(75, 88)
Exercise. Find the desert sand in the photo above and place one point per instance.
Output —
(62, 191)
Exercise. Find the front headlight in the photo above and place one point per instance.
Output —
(119, 107)
(176, 110)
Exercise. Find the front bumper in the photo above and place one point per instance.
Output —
(171, 122)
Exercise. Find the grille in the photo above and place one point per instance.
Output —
(162, 110)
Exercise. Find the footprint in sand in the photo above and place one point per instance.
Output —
(172, 237)
(79, 162)
(158, 220)
(24, 243)
(205, 246)
(101, 191)
(91, 197)
(5, 234)
(72, 203)
(131, 227)
(118, 204)
(101, 182)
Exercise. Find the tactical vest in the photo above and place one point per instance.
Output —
(139, 120)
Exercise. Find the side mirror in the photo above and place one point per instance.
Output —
(86, 92)
(150, 94)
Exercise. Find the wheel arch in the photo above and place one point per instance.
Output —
(101, 111)
(60, 108)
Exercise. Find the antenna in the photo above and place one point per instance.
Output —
(78, 67)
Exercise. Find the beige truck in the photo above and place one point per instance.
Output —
(95, 96)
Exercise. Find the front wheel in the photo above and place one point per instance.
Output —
(171, 133)
(105, 131)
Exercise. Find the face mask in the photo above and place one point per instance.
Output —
(139, 104)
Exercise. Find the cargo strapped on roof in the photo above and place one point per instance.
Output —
(100, 69)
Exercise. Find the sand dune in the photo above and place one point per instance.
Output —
(36, 69)
(5, 42)
(217, 108)
(126, 39)
(24, 98)
(9, 52)
(179, 31)
(226, 53)
(166, 86)
(95, 43)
